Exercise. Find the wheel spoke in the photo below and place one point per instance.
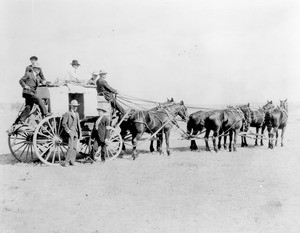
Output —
(50, 126)
(27, 151)
(31, 151)
(54, 126)
(20, 147)
(54, 152)
(26, 145)
(49, 153)
(47, 136)
(44, 151)
(19, 142)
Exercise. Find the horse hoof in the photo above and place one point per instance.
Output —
(229, 149)
(225, 147)
(281, 144)
(255, 144)
(207, 149)
(216, 150)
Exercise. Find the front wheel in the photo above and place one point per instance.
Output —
(20, 145)
(114, 144)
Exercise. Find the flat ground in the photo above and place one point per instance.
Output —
(251, 190)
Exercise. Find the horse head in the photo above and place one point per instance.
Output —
(178, 109)
(247, 114)
(284, 104)
(269, 105)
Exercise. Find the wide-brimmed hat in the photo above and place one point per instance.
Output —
(75, 62)
(95, 72)
(33, 58)
(74, 103)
(102, 72)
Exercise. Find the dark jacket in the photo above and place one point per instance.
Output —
(103, 87)
(69, 123)
(100, 131)
(31, 81)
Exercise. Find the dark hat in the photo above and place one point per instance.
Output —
(33, 58)
(75, 62)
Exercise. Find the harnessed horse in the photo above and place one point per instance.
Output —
(276, 118)
(155, 121)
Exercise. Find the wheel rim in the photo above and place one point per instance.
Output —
(48, 141)
(114, 143)
(21, 146)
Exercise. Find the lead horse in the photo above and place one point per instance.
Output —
(276, 118)
(142, 121)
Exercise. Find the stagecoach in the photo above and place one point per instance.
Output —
(45, 139)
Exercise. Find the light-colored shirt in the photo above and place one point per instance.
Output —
(71, 75)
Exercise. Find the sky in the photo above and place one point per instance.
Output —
(202, 52)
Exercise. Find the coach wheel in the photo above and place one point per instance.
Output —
(20, 145)
(48, 141)
(114, 144)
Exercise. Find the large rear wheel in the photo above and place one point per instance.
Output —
(48, 141)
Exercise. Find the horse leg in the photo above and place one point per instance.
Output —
(276, 134)
(135, 139)
(151, 146)
(262, 135)
(220, 140)
(236, 132)
(193, 142)
(167, 135)
(270, 132)
(225, 142)
(256, 137)
(282, 134)
(206, 140)
(160, 142)
(215, 135)
(230, 140)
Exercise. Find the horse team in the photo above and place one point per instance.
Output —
(232, 121)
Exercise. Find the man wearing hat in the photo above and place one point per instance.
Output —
(30, 81)
(103, 89)
(100, 133)
(71, 125)
(93, 79)
(72, 72)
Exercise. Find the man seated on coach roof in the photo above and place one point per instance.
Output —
(103, 89)
(93, 79)
(30, 81)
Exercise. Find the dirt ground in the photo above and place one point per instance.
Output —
(251, 190)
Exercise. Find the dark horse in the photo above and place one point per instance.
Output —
(220, 122)
(276, 118)
(195, 126)
(155, 121)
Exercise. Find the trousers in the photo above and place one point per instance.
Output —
(29, 101)
(96, 145)
(72, 146)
